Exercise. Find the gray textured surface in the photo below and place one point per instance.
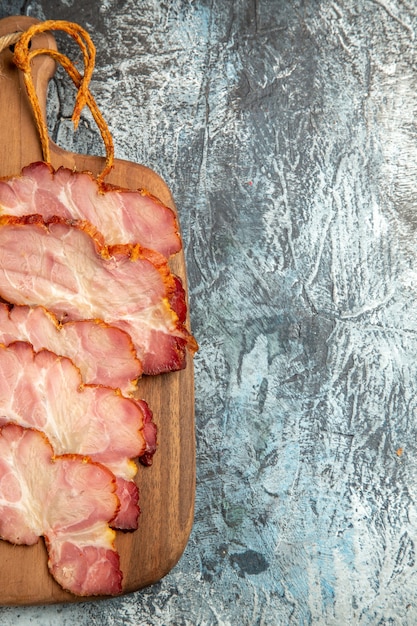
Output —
(287, 132)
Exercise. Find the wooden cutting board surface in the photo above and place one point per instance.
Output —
(167, 487)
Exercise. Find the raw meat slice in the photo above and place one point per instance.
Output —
(104, 354)
(44, 391)
(66, 268)
(122, 215)
(69, 500)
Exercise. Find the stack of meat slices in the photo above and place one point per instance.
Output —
(90, 305)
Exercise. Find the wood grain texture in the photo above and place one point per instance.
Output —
(167, 487)
(287, 132)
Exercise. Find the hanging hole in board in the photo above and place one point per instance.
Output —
(11, 47)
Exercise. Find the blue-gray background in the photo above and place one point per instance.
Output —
(287, 131)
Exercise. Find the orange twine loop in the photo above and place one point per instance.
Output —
(23, 57)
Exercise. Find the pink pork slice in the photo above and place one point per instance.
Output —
(122, 215)
(104, 354)
(67, 499)
(44, 391)
(69, 270)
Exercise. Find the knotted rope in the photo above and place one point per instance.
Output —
(9, 40)
(23, 56)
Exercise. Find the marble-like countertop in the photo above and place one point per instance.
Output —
(287, 131)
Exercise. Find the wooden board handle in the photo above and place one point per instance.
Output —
(20, 142)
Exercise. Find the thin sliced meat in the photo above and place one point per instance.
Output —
(129, 512)
(150, 434)
(104, 354)
(122, 215)
(44, 391)
(66, 268)
(69, 500)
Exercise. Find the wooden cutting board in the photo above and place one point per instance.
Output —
(167, 487)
